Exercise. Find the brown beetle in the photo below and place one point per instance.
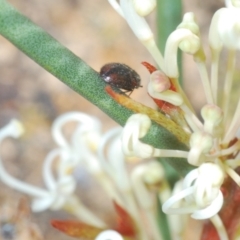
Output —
(121, 76)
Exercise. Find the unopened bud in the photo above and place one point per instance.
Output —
(200, 144)
(144, 7)
(190, 46)
(189, 23)
(154, 174)
(160, 82)
(229, 28)
(213, 116)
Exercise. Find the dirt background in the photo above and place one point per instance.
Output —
(94, 32)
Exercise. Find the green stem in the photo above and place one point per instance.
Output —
(169, 16)
(163, 222)
(74, 72)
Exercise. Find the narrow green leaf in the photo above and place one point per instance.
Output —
(169, 16)
(163, 222)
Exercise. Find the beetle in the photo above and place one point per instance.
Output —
(121, 76)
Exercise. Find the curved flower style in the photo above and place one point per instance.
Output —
(104, 159)
(201, 190)
(137, 127)
(59, 192)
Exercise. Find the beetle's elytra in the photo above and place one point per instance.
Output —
(121, 76)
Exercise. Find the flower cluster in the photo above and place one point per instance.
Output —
(103, 157)
(213, 142)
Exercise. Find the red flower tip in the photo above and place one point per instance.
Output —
(149, 67)
(76, 229)
(125, 223)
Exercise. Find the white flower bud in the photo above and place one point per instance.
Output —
(137, 23)
(160, 82)
(213, 116)
(190, 46)
(189, 23)
(213, 113)
(201, 140)
(144, 7)
(214, 40)
(158, 88)
(154, 173)
(200, 143)
(225, 29)
(229, 28)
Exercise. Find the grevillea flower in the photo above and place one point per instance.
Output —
(213, 141)
(59, 192)
(103, 158)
